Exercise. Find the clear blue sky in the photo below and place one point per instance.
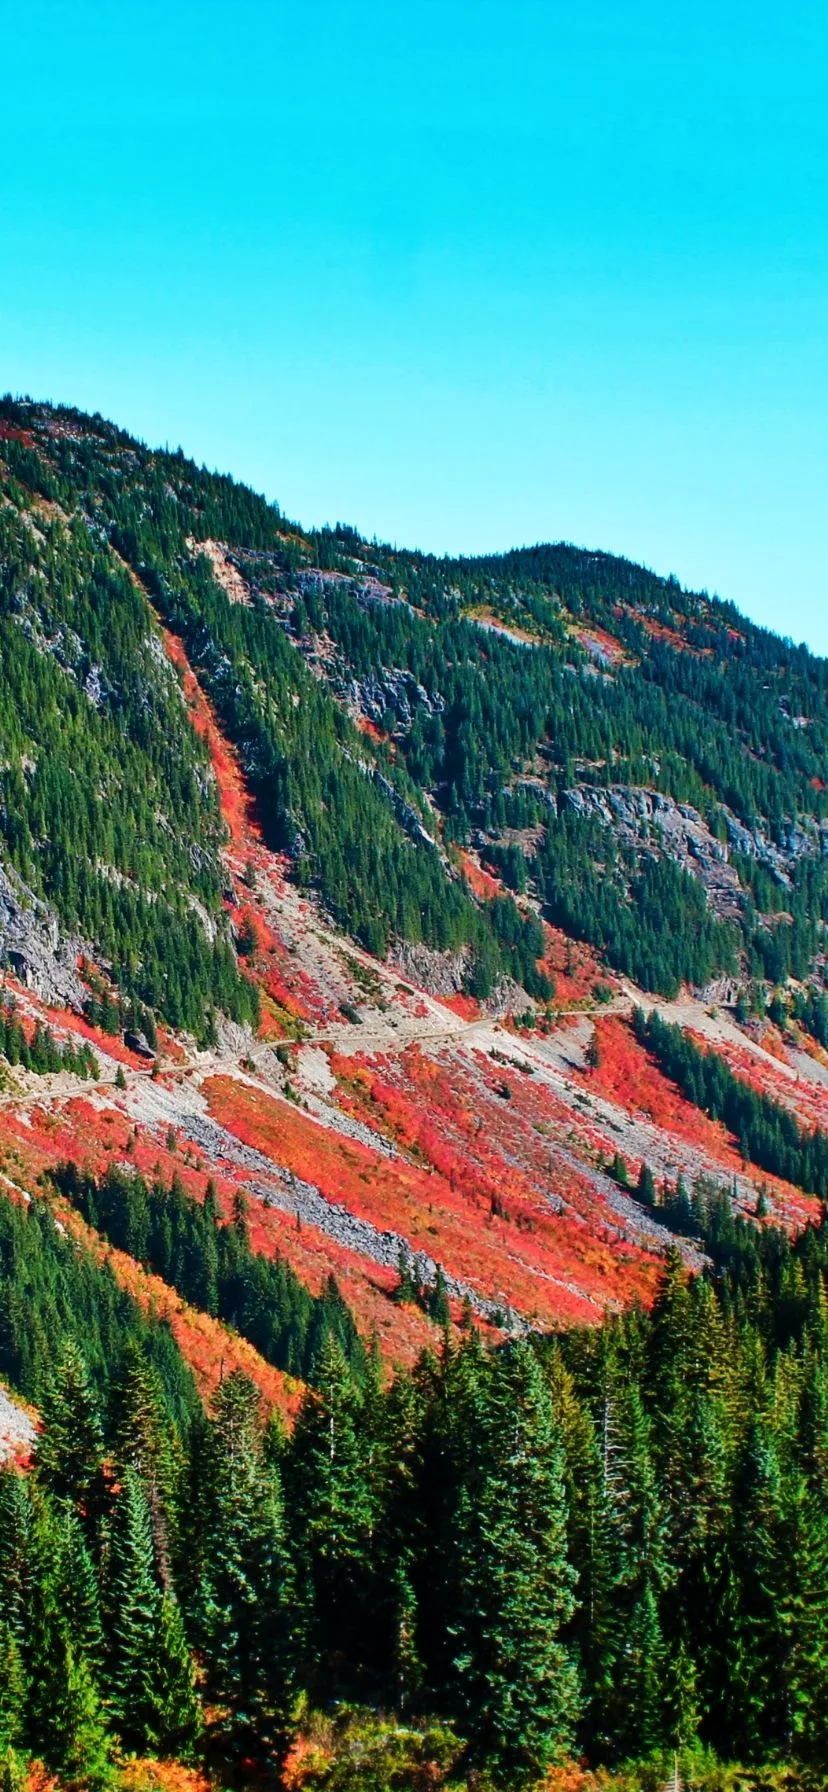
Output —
(466, 273)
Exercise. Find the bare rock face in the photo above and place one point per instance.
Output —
(34, 949)
(781, 856)
(508, 997)
(17, 1431)
(234, 1038)
(438, 973)
(392, 692)
(647, 819)
(445, 973)
(225, 571)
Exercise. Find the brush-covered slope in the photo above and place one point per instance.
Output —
(336, 874)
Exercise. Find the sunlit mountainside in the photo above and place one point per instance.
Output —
(399, 955)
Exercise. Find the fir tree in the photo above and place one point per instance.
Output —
(515, 1685)
(70, 1448)
(438, 1302)
(17, 1563)
(66, 1724)
(134, 1604)
(242, 1596)
(79, 1592)
(143, 1440)
(12, 1690)
(801, 1618)
(332, 1517)
(645, 1187)
(759, 1694)
(634, 1518)
(178, 1720)
(80, 1750)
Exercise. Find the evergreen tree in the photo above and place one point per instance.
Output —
(150, 1675)
(66, 1725)
(133, 1598)
(640, 1574)
(70, 1448)
(12, 1690)
(79, 1592)
(800, 1623)
(438, 1303)
(143, 1439)
(333, 1517)
(179, 1721)
(514, 1683)
(77, 1744)
(242, 1601)
(399, 1541)
(17, 1565)
(759, 1694)
(591, 1543)
(645, 1187)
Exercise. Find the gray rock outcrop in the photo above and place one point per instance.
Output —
(34, 948)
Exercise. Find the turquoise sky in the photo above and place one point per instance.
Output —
(466, 275)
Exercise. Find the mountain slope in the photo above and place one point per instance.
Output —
(400, 957)
(492, 697)
(379, 853)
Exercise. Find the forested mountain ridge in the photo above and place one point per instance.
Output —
(597, 733)
(400, 955)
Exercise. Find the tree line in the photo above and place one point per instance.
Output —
(107, 810)
(41, 1052)
(612, 1541)
(768, 1134)
(214, 1266)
